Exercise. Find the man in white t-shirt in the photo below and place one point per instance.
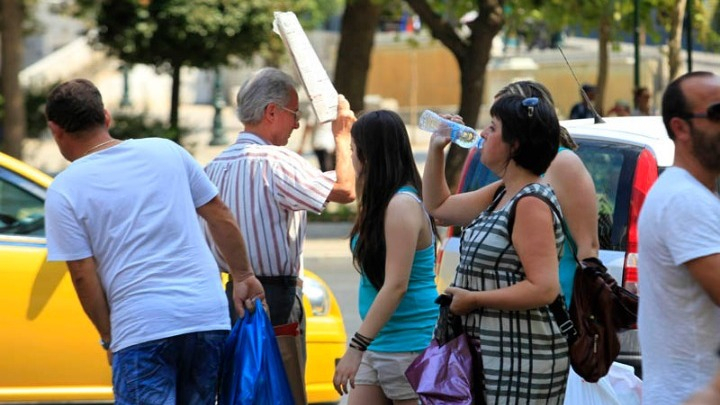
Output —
(679, 262)
(123, 216)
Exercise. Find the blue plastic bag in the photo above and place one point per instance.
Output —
(253, 371)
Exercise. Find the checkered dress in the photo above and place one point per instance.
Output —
(525, 357)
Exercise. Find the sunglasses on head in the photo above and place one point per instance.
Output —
(712, 113)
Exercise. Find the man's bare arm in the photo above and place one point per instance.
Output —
(91, 294)
(229, 240)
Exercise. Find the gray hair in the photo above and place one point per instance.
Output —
(266, 86)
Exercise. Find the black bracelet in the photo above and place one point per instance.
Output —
(359, 343)
(360, 349)
(366, 340)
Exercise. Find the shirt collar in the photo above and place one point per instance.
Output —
(249, 137)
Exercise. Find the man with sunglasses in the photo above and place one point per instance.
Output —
(270, 188)
(679, 252)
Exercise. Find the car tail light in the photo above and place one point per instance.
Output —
(646, 172)
(438, 259)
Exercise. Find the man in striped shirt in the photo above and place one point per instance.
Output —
(269, 188)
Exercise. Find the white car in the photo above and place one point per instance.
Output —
(624, 156)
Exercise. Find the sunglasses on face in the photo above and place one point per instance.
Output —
(712, 113)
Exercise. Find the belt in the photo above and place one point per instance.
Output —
(288, 281)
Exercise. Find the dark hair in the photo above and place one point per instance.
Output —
(674, 102)
(529, 88)
(383, 148)
(533, 136)
(75, 106)
(638, 91)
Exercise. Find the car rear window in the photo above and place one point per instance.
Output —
(612, 167)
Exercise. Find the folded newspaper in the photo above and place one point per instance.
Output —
(315, 80)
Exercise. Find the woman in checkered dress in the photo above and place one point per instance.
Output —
(505, 282)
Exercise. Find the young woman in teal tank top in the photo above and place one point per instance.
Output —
(393, 247)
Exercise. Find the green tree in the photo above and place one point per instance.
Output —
(170, 34)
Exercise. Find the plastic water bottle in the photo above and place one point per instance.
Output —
(461, 135)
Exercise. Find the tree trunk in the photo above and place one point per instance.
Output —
(472, 55)
(12, 58)
(675, 41)
(603, 62)
(357, 35)
(472, 80)
(175, 102)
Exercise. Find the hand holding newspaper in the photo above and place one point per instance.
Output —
(317, 84)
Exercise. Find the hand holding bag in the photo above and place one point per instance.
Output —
(450, 370)
(253, 371)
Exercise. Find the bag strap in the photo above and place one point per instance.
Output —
(557, 307)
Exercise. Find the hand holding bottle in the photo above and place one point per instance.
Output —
(460, 134)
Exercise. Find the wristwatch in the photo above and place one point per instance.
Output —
(105, 344)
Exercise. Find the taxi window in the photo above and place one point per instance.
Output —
(22, 212)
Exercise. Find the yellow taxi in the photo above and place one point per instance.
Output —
(49, 350)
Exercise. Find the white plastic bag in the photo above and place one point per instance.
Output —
(627, 386)
(581, 392)
(619, 387)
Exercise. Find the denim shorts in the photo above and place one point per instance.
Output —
(182, 369)
(387, 370)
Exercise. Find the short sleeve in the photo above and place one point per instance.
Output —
(66, 237)
(300, 186)
(201, 187)
(693, 222)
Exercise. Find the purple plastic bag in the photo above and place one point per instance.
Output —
(450, 370)
(443, 374)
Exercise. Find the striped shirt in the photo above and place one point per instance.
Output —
(269, 189)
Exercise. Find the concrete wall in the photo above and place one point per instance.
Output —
(427, 76)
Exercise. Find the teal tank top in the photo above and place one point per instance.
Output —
(411, 326)
(567, 263)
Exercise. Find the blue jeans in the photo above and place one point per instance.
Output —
(182, 369)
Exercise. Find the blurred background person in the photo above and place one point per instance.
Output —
(582, 108)
(322, 141)
(620, 109)
(641, 101)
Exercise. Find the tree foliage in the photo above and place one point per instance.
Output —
(170, 34)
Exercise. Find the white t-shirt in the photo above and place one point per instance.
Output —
(132, 207)
(679, 325)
